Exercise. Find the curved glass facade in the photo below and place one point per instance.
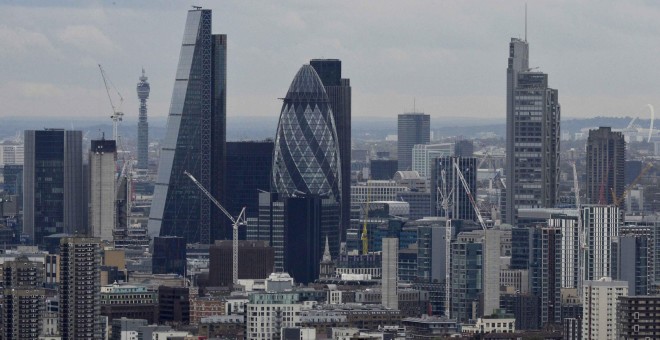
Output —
(306, 158)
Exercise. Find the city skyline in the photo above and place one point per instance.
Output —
(449, 62)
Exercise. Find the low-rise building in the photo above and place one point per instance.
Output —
(428, 327)
(490, 325)
(129, 301)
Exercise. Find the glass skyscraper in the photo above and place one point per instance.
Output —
(304, 208)
(195, 138)
(53, 184)
(306, 158)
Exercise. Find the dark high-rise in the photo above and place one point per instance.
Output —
(143, 126)
(195, 138)
(413, 128)
(248, 172)
(169, 255)
(606, 157)
(306, 177)
(53, 184)
(545, 272)
(338, 90)
(444, 178)
(532, 140)
(256, 261)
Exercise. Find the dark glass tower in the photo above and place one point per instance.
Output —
(606, 157)
(339, 94)
(248, 172)
(143, 126)
(195, 138)
(461, 207)
(53, 184)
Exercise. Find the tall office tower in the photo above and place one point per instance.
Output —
(413, 128)
(532, 140)
(80, 288)
(53, 184)
(606, 157)
(445, 178)
(389, 297)
(169, 255)
(143, 126)
(102, 165)
(338, 90)
(545, 272)
(306, 164)
(23, 300)
(195, 139)
(248, 172)
(601, 228)
(600, 299)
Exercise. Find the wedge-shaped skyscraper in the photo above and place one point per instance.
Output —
(306, 159)
(195, 137)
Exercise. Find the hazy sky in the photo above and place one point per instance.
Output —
(603, 56)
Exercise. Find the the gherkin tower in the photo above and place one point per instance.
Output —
(306, 159)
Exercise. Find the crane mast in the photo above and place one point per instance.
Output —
(446, 203)
(117, 115)
(581, 231)
(236, 222)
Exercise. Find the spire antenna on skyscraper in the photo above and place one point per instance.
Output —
(525, 22)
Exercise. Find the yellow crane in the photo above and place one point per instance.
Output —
(619, 200)
(364, 237)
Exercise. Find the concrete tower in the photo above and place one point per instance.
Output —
(143, 126)
(102, 160)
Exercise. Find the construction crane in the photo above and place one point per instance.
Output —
(117, 115)
(446, 203)
(240, 220)
(364, 237)
(581, 231)
(619, 200)
(469, 194)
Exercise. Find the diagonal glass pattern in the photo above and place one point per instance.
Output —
(306, 159)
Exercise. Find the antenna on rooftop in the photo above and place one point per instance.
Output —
(525, 22)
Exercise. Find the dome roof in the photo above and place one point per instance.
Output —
(306, 86)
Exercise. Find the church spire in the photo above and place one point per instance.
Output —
(326, 253)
